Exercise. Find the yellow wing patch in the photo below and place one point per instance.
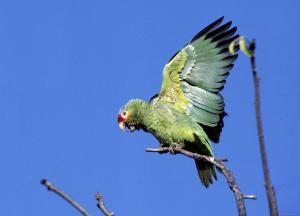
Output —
(171, 90)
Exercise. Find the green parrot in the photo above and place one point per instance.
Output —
(189, 109)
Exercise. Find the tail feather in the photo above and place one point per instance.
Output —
(206, 172)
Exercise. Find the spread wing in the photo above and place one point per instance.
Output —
(194, 76)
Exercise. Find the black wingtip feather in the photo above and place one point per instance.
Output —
(228, 67)
(210, 27)
(216, 33)
(232, 58)
(227, 42)
(225, 35)
(219, 30)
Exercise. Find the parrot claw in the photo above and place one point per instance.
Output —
(172, 147)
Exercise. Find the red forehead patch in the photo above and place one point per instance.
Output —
(121, 118)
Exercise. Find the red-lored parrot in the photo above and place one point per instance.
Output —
(189, 109)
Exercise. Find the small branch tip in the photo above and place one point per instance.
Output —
(101, 206)
(63, 195)
(249, 197)
(43, 181)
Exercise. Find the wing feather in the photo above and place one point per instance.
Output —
(197, 73)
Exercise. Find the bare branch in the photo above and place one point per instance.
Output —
(63, 195)
(158, 150)
(167, 150)
(239, 197)
(101, 205)
(269, 188)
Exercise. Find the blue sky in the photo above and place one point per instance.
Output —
(66, 68)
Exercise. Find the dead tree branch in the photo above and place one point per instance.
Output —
(239, 197)
(101, 205)
(269, 188)
(63, 195)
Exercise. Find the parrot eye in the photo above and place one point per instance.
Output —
(124, 114)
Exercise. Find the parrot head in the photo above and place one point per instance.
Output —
(129, 115)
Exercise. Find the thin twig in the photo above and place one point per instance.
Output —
(269, 188)
(249, 196)
(63, 195)
(239, 197)
(101, 205)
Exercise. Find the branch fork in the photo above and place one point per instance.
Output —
(99, 199)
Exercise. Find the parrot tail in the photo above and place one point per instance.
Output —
(206, 172)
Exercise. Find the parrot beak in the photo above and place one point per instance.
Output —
(122, 125)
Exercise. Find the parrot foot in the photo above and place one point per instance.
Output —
(173, 146)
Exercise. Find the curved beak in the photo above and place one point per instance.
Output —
(121, 123)
(122, 126)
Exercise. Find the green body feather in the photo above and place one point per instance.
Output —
(169, 125)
